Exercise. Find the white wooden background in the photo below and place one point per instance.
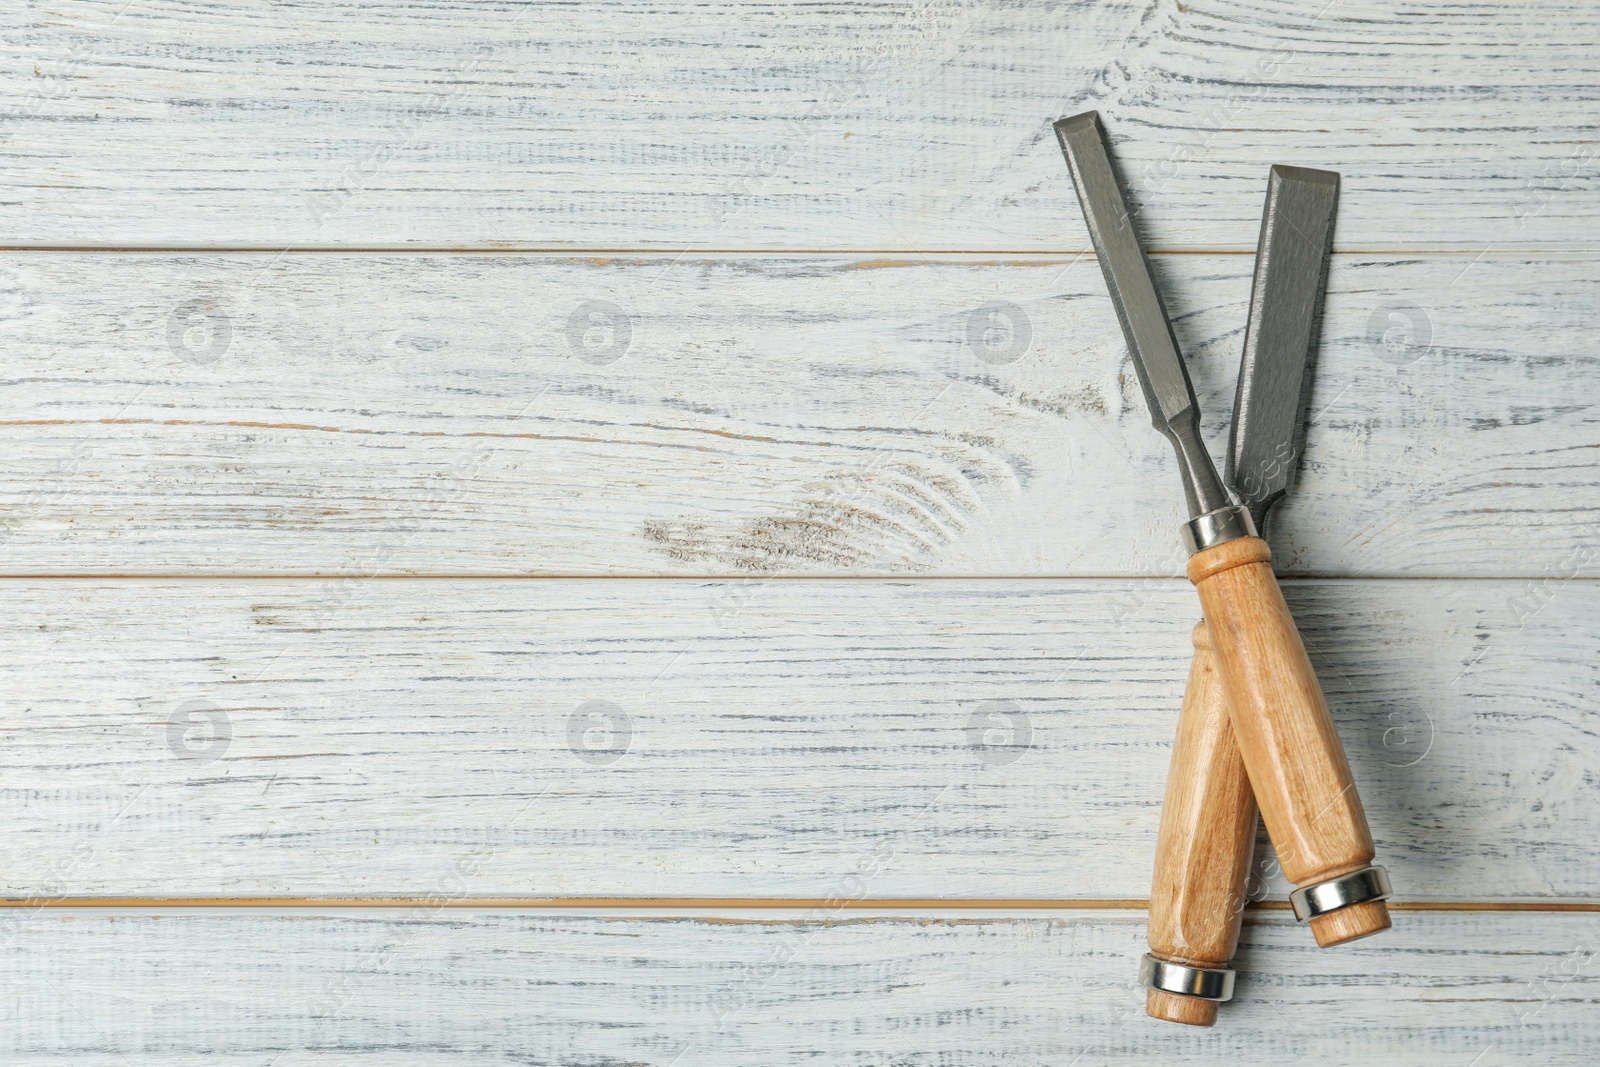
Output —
(626, 534)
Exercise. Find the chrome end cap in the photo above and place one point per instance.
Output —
(1358, 887)
(1202, 983)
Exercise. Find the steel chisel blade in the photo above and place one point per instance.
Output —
(1167, 389)
(1268, 409)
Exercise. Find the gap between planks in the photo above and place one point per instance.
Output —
(731, 576)
(952, 255)
(732, 903)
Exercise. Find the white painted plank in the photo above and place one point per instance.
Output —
(964, 739)
(465, 988)
(906, 125)
(451, 414)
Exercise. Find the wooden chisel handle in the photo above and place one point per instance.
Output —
(1297, 766)
(1208, 831)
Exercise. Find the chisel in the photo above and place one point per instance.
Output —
(1295, 764)
(1208, 819)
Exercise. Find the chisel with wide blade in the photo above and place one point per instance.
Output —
(1208, 819)
(1295, 763)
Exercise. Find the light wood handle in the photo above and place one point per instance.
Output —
(1297, 765)
(1208, 831)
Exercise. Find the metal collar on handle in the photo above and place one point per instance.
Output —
(1203, 983)
(1216, 527)
(1369, 883)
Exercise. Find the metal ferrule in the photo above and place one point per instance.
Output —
(1202, 983)
(1370, 883)
(1217, 527)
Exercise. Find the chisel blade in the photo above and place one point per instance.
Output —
(1274, 373)
(1167, 389)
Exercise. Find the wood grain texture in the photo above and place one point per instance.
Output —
(1206, 841)
(1291, 748)
(481, 989)
(916, 125)
(370, 414)
(210, 416)
(816, 739)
